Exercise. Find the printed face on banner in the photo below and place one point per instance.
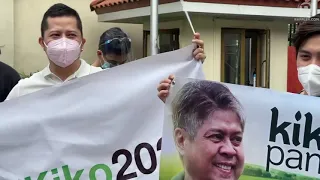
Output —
(216, 152)
(208, 128)
(204, 136)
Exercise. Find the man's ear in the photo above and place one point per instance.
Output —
(99, 53)
(41, 42)
(82, 44)
(180, 138)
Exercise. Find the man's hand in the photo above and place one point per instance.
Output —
(163, 88)
(198, 53)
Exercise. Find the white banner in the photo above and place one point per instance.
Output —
(281, 136)
(104, 126)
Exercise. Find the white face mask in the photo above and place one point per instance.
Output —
(309, 77)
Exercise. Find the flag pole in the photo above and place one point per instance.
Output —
(154, 27)
(314, 7)
(187, 16)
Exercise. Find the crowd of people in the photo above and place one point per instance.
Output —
(62, 40)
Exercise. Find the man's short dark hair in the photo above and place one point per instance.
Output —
(59, 10)
(116, 47)
(196, 101)
(305, 31)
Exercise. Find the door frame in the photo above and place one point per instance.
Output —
(259, 65)
(267, 78)
(243, 72)
(242, 52)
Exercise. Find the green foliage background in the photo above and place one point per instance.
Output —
(24, 75)
(170, 165)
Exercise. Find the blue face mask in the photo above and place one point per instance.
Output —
(107, 65)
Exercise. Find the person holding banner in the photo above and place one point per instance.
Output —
(62, 40)
(114, 49)
(307, 44)
(208, 130)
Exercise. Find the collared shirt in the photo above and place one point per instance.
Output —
(46, 78)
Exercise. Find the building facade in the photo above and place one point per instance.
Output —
(243, 38)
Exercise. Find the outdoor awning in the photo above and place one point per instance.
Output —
(138, 11)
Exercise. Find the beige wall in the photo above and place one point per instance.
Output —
(28, 55)
(7, 32)
(210, 31)
(205, 27)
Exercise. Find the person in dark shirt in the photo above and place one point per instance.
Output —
(8, 79)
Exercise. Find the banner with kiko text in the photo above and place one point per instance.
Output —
(281, 137)
(104, 126)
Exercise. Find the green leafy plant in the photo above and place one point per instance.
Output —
(24, 75)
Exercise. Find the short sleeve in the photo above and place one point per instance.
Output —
(14, 93)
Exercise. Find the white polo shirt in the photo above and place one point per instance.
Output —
(46, 78)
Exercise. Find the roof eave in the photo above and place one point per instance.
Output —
(133, 4)
(130, 15)
(113, 4)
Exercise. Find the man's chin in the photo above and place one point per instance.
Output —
(223, 172)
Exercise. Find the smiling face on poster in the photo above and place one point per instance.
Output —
(207, 131)
(204, 134)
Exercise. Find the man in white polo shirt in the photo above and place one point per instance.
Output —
(62, 40)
